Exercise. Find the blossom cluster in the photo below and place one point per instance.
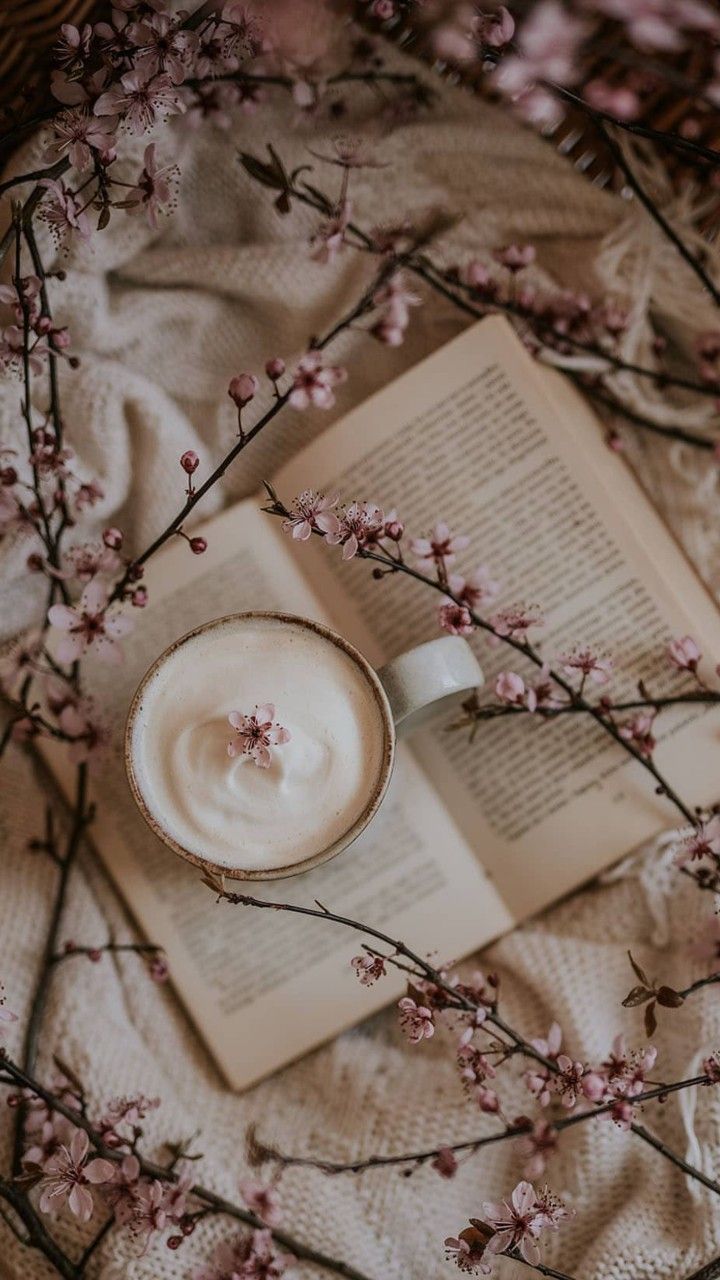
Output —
(528, 54)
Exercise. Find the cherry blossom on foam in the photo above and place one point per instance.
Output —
(69, 1176)
(89, 625)
(256, 734)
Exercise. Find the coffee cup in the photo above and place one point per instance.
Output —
(261, 744)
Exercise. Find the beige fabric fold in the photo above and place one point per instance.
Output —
(161, 321)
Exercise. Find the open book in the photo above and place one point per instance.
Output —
(472, 837)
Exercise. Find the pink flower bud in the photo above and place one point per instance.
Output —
(242, 388)
(139, 597)
(113, 539)
(135, 572)
(198, 546)
(34, 562)
(94, 955)
(275, 368)
(394, 529)
(189, 461)
(8, 476)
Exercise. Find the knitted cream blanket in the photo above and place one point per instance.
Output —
(161, 321)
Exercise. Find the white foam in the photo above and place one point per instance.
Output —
(226, 809)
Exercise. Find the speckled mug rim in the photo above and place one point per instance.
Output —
(360, 823)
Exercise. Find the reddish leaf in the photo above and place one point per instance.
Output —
(640, 974)
(669, 998)
(650, 1020)
(638, 995)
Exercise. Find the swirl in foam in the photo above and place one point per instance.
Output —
(226, 809)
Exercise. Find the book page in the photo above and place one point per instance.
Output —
(264, 987)
(478, 435)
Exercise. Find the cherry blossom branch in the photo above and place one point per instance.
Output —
(499, 710)
(81, 816)
(472, 1145)
(360, 308)
(457, 1001)
(449, 285)
(661, 136)
(391, 564)
(38, 1237)
(216, 1203)
(657, 215)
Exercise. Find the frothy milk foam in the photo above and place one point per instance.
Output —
(227, 809)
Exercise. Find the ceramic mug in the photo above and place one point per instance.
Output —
(404, 693)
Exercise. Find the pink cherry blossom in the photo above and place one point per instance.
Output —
(361, 525)
(162, 46)
(256, 734)
(416, 1020)
(313, 383)
(154, 191)
(515, 256)
(69, 1176)
(568, 1081)
(439, 548)
(512, 690)
(89, 625)
(658, 25)
(89, 737)
(476, 589)
(684, 653)
(368, 968)
(539, 1077)
(62, 211)
(251, 1256)
(494, 29)
(638, 731)
(311, 511)
(456, 619)
(515, 622)
(263, 1201)
(468, 1250)
(140, 98)
(704, 842)
(329, 238)
(6, 1015)
(587, 664)
(537, 1147)
(516, 1223)
(77, 134)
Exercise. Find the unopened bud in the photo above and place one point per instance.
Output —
(113, 539)
(242, 388)
(275, 368)
(189, 461)
(198, 546)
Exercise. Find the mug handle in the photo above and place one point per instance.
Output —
(429, 679)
